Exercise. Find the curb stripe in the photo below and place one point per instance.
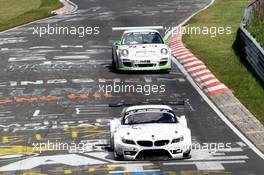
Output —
(220, 91)
(196, 68)
(180, 50)
(195, 65)
(192, 63)
(205, 77)
(213, 84)
(221, 86)
(185, 56)
(173, 47)
(183, 53)
(200, 72)
(188, 60)
(209, 82)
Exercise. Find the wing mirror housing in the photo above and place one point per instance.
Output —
(166, 41)
(182, 120)
(118, 43)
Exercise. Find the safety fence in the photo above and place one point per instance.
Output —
(254, 53)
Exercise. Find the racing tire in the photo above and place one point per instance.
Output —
(116, 155)
(187, 155)
(111, 143)
(113, 60)
(114, 63)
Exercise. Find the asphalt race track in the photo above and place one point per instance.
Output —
(53, 89)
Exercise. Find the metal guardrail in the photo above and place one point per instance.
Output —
(254, 53)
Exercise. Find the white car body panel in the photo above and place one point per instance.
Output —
(150, 132)
(142, 56)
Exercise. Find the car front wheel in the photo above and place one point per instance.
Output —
(187, 154)
(113, 60)
(116, 155)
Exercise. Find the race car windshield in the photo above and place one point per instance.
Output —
(142, 38)
(150, 117)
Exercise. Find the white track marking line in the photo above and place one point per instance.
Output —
(231, 150)
(71, 46)
(215, 88)
(36, 113)
(132, 168)
(36, 58)
(207, 165)
(69, 57)
(242, 157)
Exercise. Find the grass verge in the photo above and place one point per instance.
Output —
(256, 25)
(17, 12)
(219, 55)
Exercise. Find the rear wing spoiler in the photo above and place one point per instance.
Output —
(175, 102)
(138, 28)
(141, 28)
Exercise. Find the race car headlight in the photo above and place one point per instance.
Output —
(124, 52)
(126, 141)
(164, 51)
(176, 140)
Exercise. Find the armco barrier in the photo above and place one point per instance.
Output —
(254, 53)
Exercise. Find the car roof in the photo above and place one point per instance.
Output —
(138, 107)
(140, 30)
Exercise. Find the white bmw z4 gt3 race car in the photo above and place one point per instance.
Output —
(149, 131)
(141, 49)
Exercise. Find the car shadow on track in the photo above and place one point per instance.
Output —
(148, 158)
(114, 70)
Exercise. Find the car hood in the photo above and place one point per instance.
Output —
(150, 131)
(144, 49)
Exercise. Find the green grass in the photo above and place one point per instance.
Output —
(256, 25)
(17, 12)
(220, 55)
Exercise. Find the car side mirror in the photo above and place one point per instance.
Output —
(182, 120)
(166, 41)
(117, 43)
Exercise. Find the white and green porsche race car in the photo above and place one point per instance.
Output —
(141, 49)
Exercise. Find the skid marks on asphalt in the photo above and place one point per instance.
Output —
(88, 89)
